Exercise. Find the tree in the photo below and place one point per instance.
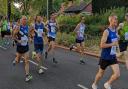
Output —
(31, 6)
(99, 5)
(4, 8)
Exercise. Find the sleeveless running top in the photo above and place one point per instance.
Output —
(110, 53)
(52, 29)
(23, 35)
(80, 32)
(38, 38)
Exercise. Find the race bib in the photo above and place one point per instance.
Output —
(126, 36)
(81, 34)
(40, 32)
(113, 48)
(53, 29)
(24, 40)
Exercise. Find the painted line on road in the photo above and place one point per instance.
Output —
(3, 47)
(37, 64)
(81, 86)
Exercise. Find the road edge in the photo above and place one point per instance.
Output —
(86, 52)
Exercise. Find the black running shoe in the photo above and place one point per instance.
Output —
(55, 61)
(13, 44)
(82, 62)
(71, 47)
(46, 55)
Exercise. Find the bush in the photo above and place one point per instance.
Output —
(65, 39)
(91, 42)
(94, 22)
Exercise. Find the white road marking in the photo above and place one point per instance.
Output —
(3, 47)
(81, 86)
(37, 64)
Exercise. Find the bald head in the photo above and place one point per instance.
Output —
(111, 17)
(113, 20)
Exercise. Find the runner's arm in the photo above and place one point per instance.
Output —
(57, 25)
(31, 32)
(46, 26)
(103, 43)
(15, 32)
(76, 29)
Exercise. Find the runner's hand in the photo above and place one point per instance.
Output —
(19, 41)
(115, 43)
(31, 40)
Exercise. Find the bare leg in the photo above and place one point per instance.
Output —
(18, 56)
(126, 58)
(38, 58)
(99, 75)
(115, 75)
(26, 58)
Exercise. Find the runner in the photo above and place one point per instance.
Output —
(123, 42)
(109, 42)
(37, 33)
(52, 31)
(5, 30)
(15, 26)
(21, 36)
(79, 30)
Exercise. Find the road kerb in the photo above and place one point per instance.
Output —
(86, 52)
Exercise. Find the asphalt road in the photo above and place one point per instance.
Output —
(68, 74)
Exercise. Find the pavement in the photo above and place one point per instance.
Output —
(67, 74)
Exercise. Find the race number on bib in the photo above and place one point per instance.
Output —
(81, 34)
(40, 32)
(53, 29)
(113, 48)
(24, 40)
(126, 36)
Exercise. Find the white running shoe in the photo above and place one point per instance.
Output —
(33, 55)
(14, 62)
(40, 71)
(94, 86)
(28, 78)
(21, 61)
(107, 86)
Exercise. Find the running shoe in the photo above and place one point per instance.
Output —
(21, 61)
(71, 47)
(46, 55)
(40, 71)
(14, 62)
(94, 86)
(107, 86)
(82, 62)
(33, 55)
(28, 78)
(55, 61)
